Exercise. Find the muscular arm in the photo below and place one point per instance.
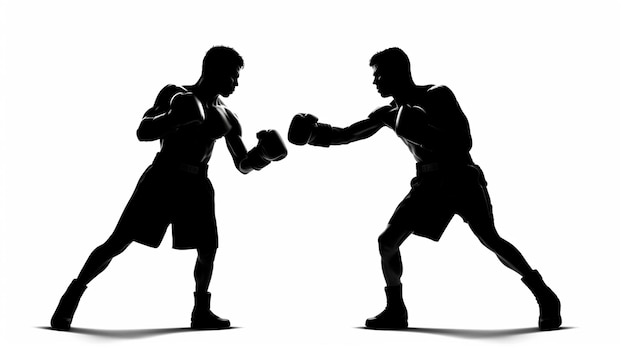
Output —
(355, 132)
(305, 129)
(154, 127)
(235, 145)
(245, 160)
(238, 151)
(382, 116)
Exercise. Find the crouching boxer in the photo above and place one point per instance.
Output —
(428, 119)
(174, 189)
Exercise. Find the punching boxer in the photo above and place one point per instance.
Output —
(428, 119)
(175, 189)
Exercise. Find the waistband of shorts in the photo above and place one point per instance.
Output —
(432, 167)
(170, 163)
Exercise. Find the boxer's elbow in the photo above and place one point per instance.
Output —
(145, 133)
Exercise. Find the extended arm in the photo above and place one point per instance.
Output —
(305, 129)
(357, 131)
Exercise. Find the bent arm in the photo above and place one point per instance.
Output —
(245, 160)
(238, 152)
(155, 126)
(172, 109)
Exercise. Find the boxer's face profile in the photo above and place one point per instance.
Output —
(228, 81)
(384, 81)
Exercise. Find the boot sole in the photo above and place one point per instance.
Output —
(387, 327)
(211, 327)
(60, 328)
(550, 325)
(60, 324)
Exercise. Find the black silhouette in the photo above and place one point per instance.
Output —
(428, 119)
(175, 189)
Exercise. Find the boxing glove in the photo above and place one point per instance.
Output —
(411, 123)
(271, 145)
(301, 129)
(305, 129)
(186, 109)
(217, 123)
(269, 148)
(183, 110)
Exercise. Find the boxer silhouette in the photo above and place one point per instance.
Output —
(428, 119)
(174, 189)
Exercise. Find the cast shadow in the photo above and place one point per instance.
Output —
(131, 333)
(473, 333)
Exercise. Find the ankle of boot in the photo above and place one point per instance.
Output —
(202, 301)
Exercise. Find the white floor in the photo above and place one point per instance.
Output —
(295, 337)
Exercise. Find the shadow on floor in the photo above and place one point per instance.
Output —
(473, 333)
(130, 333)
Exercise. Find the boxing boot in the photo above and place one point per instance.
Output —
(63, 315)
(549, 304)
(202, 317)
(394, 316)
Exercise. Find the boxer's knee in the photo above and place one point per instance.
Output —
(114, 246)
(390, 240)
(490, 238)
(206, 255)
(385, 247)
(485, 231)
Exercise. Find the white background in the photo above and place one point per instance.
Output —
(298, 266)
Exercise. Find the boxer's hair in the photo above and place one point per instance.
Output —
(392, 59)
(221, 57)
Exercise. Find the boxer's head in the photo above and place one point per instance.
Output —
(221, 67)
(392, 71)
